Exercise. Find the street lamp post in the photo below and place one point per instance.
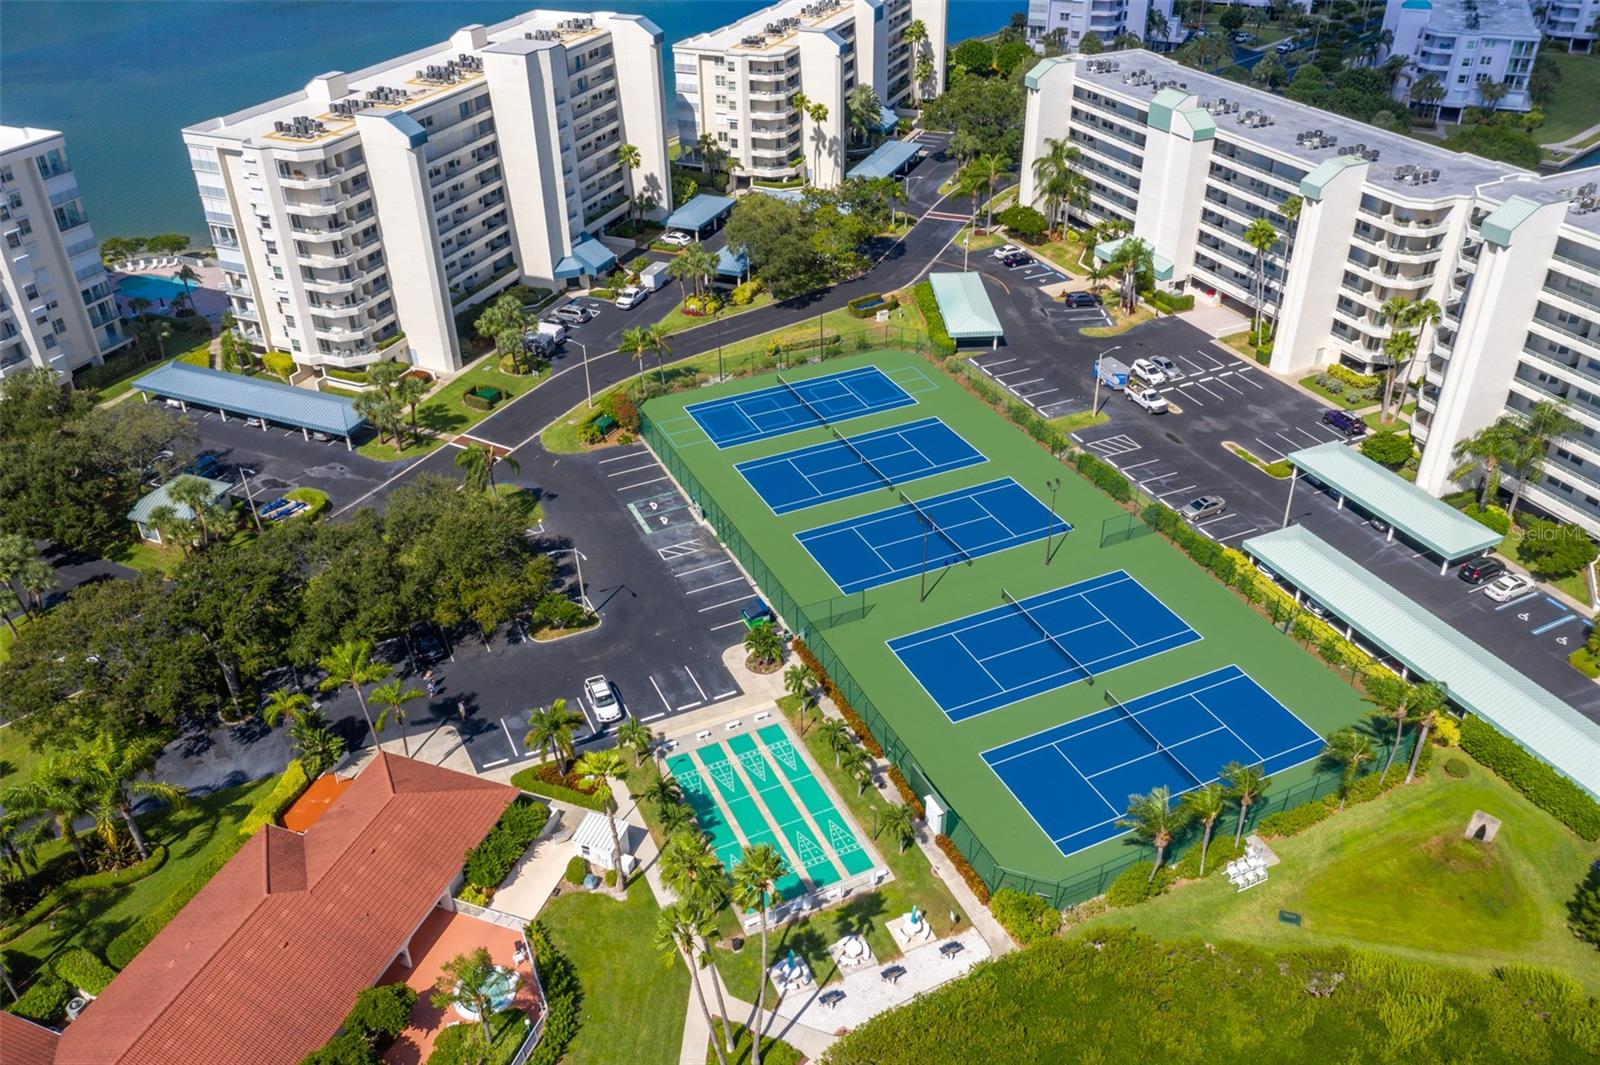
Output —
(588, 389)
(250, 496)
(1054, 484)
(966, 248)
(1287, 503)
(578, 559)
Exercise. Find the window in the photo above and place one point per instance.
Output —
(49, 340)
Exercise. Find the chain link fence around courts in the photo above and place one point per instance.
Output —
(811, 622)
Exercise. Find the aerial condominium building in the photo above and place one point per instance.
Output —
(737, 85)
(58, 309)
(1470, 47)
(355, 219)
(1575, 23)
(1187, 161)
(1076, 19)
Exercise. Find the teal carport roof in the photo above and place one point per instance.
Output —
(886, 160)
(152, 501)
(588, 256)
(968, 314)
(700, 212)
(1107, 250)
(1425, 520)
(252, 397)
(1475, 679)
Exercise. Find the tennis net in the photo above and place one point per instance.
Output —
(1059, 646)
(1161, 748)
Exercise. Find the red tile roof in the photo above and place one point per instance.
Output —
(24, 1043)
(266, 960)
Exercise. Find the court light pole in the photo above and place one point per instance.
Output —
(925, 530)
(1054, 484)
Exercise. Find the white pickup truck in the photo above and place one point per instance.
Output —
(1148, 398)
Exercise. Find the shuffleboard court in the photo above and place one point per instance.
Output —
(1020, 649)
(839, 469)
(804, 404)
(1075, 779)
(864, 552)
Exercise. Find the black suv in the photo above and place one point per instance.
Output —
(1345, 422)
(1480, 570)
(1082, 299)
(1016, 259)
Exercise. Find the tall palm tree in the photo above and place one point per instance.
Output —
(994, 167)
(479, 462)
(755, 883)
(36, 577)
(110, 769)
(1543, 424)
(464, 981)
(817, 112)
(630, 159)
(857, 765)
(900, 823)
(604, 767)
(799, 680)
(636, 737)
(916, 35)
(1393, 698)
(408, 392)
(1290, 209)
(551, 730)
(283, 703)
(1260, 235)
(187, 275)
(1057, 179)
(1153, 819)
(1426, 706)
(1491, 92)
(1246, 785)
(1132, 258)
(678, 933)
(55, 791)
(837, 735)
(693, 871)
(196, 494)
(658, 334)
(1411, 319)
(661, 793)
(10, 603)
(383, 411)
(350, 664)
(635, 343)
(1484, 453)
(1205, 805)
(392, 696)
(1349, 750)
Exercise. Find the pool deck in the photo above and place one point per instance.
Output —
(209, 299)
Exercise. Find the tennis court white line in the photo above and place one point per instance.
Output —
(979, 663)
(1169, 748)
(868, 545)
(1096, 608)
(1029, 810)
(1063, 594)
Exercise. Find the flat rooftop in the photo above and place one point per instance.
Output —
(784, 19)
(395, 76)
(14, 137)
(1565, 185)
(1482, 18)
(1140, 75)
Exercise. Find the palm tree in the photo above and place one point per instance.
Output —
(630, 159)
(1428, 91)
(1426, 705)
(838, 737)
(196, 494)
(479, 462)
(1246, 785)
(1349, 750)
(318, 747)
(994, 167)
(1260, 235)
(57, 792)
(1057, 179)
(693, 871)
(383, 411)
(1418, 316)
(1535, 431)
(551, 730)
(1205, 805)
(661, 793)
(408, 392)
(36, 577)
(1132, 258)
(392, 697)
(916, 35)
(1152, 819)
(817, 112)
(764, 645)
(679, 930)
(857, 765)
(636, 737)
(464, 981)
(1484, 453)
(187, 275)
(1290, 210)
(606, 766)
(798, 681)
(755, 882)
(1491, 92)
(635, 343)
(109, 769)
(901, 825)
(10, 603)
(283, 703)
(1393, 698)
(350, 663)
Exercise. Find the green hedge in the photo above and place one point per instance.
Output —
(340, 373)
(271, 806)
(1367, 788)
(488, 863)
(938, 334)
(1020, 414)
(1029, 918)
(45, 1002)
(1134, 884)
(1350, 378)
(315, 499)
(577, 869)
(1492, 516)
(78, 887)
(80, 968)
(1543, 786)
(1103, 476)
(563, 996)
(544, 780)
(1169, 302)
(1585, 661)
(870, 304)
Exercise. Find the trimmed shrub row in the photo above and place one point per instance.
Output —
(1543, 786)
(488, 863)
(81, 969)
(547, 781)
(45, 1002)
(84, 885)
(964, 867)
(938, 333)
(289, 787)
(1168, 302)
(1028, 918)
(907, 795)
(870, 304)
(1292, 822)
(1492, 516)
(831, 690)
(563, 997)
(1103, 476)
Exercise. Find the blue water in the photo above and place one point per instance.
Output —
(150, 287)
(122, 78)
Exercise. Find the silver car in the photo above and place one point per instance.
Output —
(1203, 507)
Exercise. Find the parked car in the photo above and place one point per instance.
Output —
(427, 647)
(553, 328)
(630, 297)
(1242, 37)
(1149, 372)
(1481, 569)
(1166, 366)
(1152, 401)
(1203, 507)
(1345, 423)
(602, 698)
(1015, 259)
(1004, 250)
(1082, 299)
(575, 313)
(1508, 586)
(1285, 47)
(677, 238)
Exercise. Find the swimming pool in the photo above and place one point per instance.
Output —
(152, 287)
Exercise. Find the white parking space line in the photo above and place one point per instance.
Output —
(1041, 392)
(594, 726)
(653, 717)
(719, 584)
(995, 362)
(631, 469)
(1230, 536)
(1013, 373)
(1213, 521)
(1176, 491)
(1309, 435)
(1214, 395)
(663, 698)
(1250, 379)
(727, 625)
(1269, 447)
(1136, 465)
(1193, 398)
(641, 484)
(1227, 384)
(1191, 362)
(507, 730)
(621, 458)
(728, 602)
(709, 565)
(697, 687)
(1291, 441)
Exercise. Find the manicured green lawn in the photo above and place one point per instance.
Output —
(633, 997)
(192, 835)
(443, 412)
(1083, 419)
(147, 557)
(1573, 109)
(1309, 382)
(1067, 254)
(1122, 323)
(17, 758)
(1396, 875)
(976, 242)
(773, 1051)
(1575, 585)
(677, 321)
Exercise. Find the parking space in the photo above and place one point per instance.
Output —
(281, 459)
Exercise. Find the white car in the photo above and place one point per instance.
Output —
(631, 297)
(1149, 372)
(602, 699)
(1508, 587)
(678, 238)
(1004, 250)
(1148, 398)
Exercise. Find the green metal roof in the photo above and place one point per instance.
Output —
(253, 396)
(1040, 69)
(1314, 184)
(699, 212)
(968, 314)
(886, 159)
(1476, 680)
(1106, 250)
(1434, 524)
(162, 496)
(1504, 220)
(1162, 107)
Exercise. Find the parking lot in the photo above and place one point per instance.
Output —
(283, 459)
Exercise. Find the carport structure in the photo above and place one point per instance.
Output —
(701, 211)
(251, 397)
(589, 257)
(968, 314)
(888, 159)
(1440, 529)
(1160, 264)
(1474, 679)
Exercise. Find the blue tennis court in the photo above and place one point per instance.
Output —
(822, 473)
(990, 659)
(864, 552)
(1075, 779)
(788, 408)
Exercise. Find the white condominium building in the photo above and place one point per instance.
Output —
(737, 84)
(58, 309)
(354, 220)
(1076, 19)
(1572, 22)
(1466, 45)
(1187, 161)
